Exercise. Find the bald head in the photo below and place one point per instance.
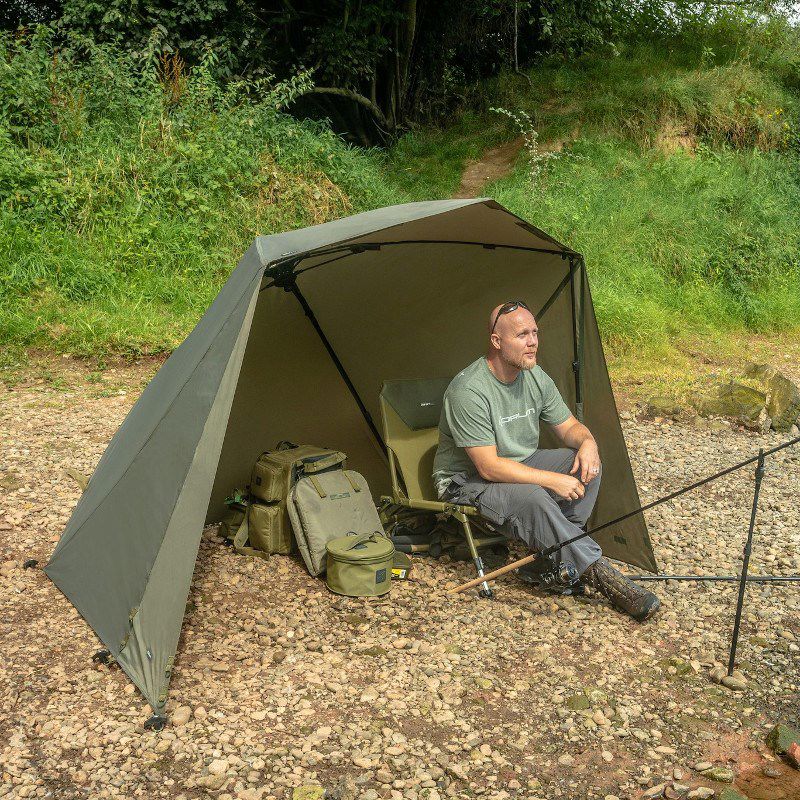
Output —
(515, 339)
(509, 319)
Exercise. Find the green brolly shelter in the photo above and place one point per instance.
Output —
(296, 346)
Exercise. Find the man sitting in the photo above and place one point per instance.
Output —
(488, 458)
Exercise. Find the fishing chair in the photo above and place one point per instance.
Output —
(410, 411)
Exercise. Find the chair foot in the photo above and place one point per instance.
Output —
(485, 590)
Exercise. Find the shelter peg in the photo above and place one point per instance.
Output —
(155, 723)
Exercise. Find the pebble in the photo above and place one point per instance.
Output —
(180, 716)
(218, 767)
(279, 683)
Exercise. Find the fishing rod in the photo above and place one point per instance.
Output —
(719, 578)
(548, 551)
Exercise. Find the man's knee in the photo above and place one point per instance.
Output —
(503, 501)
(528, 501)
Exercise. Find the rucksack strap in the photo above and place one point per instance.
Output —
(317, 485)
(239, 541)
(356, 487)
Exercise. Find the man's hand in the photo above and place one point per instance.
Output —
(565, 486)
(587, 460)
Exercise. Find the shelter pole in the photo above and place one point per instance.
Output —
(759, 475)
(557, 291)
(576, 336)
(581, 333)
(295, 290)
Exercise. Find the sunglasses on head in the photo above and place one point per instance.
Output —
(507, 308)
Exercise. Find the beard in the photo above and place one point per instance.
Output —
(523, 362)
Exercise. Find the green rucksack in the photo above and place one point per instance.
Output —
(328, 504)
(258, 523)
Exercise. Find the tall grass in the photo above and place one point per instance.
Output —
(128, 190)
(678, 179)
(675, 245)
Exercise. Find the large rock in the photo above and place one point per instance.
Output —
(721, 774)
(784, 402)
(662, 406)
(308, 792)
(763, 373)
(578, 702)
(782, 737)
(742, 403)
(783, 405)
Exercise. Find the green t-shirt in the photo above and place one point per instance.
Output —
(479, 409)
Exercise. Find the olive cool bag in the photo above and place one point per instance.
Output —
(360, 565)
(326, 506)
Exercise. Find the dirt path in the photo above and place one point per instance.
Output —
(495, 164)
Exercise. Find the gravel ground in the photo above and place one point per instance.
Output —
(280, 686)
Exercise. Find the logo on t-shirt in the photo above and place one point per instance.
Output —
(506, 420)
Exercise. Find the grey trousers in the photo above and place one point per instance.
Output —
(536, 515)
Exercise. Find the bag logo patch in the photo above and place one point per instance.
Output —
(340, 495)
(380, 575)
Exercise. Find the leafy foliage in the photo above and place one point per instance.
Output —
(128, 189)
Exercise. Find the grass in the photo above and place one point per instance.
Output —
(128, 191)
(678, 181)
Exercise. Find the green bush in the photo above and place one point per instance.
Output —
(129, 189)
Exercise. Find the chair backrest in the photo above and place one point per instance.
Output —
(410, 410)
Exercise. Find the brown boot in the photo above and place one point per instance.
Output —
(623, 593)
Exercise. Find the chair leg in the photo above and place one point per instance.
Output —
(485, 590)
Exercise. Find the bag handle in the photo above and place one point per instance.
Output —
(320, 463)
(360, 538)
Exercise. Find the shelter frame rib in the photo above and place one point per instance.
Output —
(277, 269)
(557, 291)
(577, 335)
(295, 290)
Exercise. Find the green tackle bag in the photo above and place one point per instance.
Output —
(256, 529)
(265, 527)
(276, 471)
(360, 565)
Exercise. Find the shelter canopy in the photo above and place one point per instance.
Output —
(296, 346)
